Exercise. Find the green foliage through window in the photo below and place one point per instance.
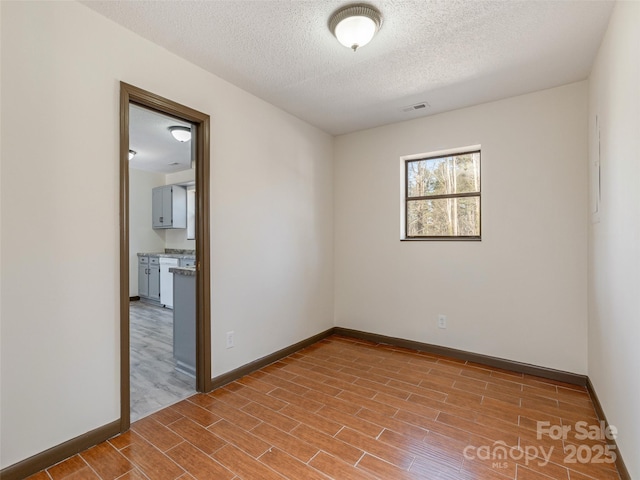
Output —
(442, 198)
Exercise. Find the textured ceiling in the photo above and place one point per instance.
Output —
(448, 53)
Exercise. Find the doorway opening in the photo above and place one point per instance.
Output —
(164, 323)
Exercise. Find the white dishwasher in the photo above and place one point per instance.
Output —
(166, 280)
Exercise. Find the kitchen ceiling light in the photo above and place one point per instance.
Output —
(182, 134)
(355, 25)
(132, 154)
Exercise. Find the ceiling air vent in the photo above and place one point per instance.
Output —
(416, 107)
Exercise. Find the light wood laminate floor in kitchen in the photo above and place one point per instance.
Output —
(347, 409)
(155, 383)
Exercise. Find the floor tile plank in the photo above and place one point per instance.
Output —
(279, 420)
(382, 469)
(337, 469)
(400, 458)
(289, 467)
(327, 443)
(313, 420)
(285, 442)
(197, 463)
(150, 461)
(197, 435)
(244, 465)
(242, 439)
(67, 467)
(106, 461)
(156, 433)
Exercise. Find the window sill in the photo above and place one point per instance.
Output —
(441, 239)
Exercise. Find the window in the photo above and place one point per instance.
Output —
(442, 197)
(191, 213)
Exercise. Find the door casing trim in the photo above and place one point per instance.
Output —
(201, 121)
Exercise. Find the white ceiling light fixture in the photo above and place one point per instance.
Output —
(355, 25)
(182, 134)
(132, 153)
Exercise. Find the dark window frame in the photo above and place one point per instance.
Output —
(408, 199)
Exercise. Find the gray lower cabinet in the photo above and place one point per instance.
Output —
(143, 276)
(188, 261)
(184, 323)
(169, 207)
(149, 278)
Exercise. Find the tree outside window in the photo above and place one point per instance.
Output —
(442, 197)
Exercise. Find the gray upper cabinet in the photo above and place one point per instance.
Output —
(169, 207)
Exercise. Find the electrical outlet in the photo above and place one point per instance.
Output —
(230, 340)
(442, 321)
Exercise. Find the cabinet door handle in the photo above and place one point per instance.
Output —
(161, 219)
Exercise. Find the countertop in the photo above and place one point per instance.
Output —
(188, 271)
(182, 254)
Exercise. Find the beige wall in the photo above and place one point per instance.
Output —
(614, 241)
(271, 218)
(177, 239)
(518, 294)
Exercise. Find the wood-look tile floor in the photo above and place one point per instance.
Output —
(347, 409)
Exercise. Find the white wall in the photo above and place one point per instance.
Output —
(614, 242)
(142, 237)
(177, 239)
(183, 176)
(520, 293)
(271, 218)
